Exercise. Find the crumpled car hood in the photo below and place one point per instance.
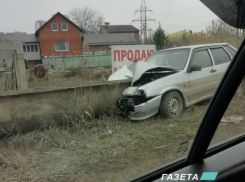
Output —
(134, 70)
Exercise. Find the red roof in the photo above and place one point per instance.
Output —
(57, 14)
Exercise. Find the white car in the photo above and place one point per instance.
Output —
(173, 79)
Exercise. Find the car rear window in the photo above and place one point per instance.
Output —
(231, 51)
(220, 56)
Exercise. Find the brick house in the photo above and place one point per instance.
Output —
(100, 43)
(111, 29)
(59, 36)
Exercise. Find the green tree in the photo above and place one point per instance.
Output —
(160, 38)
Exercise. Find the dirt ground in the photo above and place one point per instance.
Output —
(115, 150)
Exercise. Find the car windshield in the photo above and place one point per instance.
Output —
(175, 59)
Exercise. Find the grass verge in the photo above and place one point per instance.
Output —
(113, 150)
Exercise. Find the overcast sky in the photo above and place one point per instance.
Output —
(174, 15)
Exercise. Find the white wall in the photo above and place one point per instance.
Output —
(5, 46)
(32, 55)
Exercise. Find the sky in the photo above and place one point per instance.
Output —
(174, 15)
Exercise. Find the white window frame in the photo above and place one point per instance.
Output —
(57, 27)
(67, 48)
(64, 29)
(32, 46)
(28, 46)
(35, 46)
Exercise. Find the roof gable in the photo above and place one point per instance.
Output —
(28, 38)
(57, 14)
(109, 39)
(119, 28)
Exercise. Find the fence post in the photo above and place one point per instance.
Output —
(100, 61)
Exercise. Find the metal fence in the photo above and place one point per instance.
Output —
(86, 61)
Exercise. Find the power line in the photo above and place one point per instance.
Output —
(190, 24)
(167, 14)
(178, 16)
(143, 19)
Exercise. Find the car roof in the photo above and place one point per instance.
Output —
(197, 46)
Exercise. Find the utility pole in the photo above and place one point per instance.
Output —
(150, 36)
(143, 19)
(213, 25)
(150, 32)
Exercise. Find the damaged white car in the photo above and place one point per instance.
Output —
(173, 79)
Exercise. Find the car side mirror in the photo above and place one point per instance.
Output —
(195, 68)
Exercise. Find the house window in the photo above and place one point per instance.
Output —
(61, 46)
(54, 26)
(64, 26)
(28, 48)
(32, 48)
(36, 49)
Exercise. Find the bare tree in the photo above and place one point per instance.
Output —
(87, 19)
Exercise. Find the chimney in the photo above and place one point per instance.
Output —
(107, 24)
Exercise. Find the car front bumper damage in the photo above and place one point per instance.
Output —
(141, 111)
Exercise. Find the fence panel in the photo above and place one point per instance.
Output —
(64, 63)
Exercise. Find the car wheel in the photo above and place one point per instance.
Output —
(172, 105)
(241, 89)
(118, 102)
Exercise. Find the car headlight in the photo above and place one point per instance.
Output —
(142, 93)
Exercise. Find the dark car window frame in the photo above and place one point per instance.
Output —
(200, 148)
(228, 51)
(193, 54)
(197, 51)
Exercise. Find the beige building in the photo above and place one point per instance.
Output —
(31, 47)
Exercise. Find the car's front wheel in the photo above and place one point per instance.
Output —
(172, 105)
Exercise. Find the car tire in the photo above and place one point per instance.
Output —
(241, 89)
(117, 102)
(172, 105)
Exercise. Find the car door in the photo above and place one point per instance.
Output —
(202, 83)
(221, 60)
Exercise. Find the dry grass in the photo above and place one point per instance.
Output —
(113, 150)
(76, 76)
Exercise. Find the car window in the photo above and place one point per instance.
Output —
(202, 58)
(233, 121)
(176, 58)
(220, 56)
(230, 50)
